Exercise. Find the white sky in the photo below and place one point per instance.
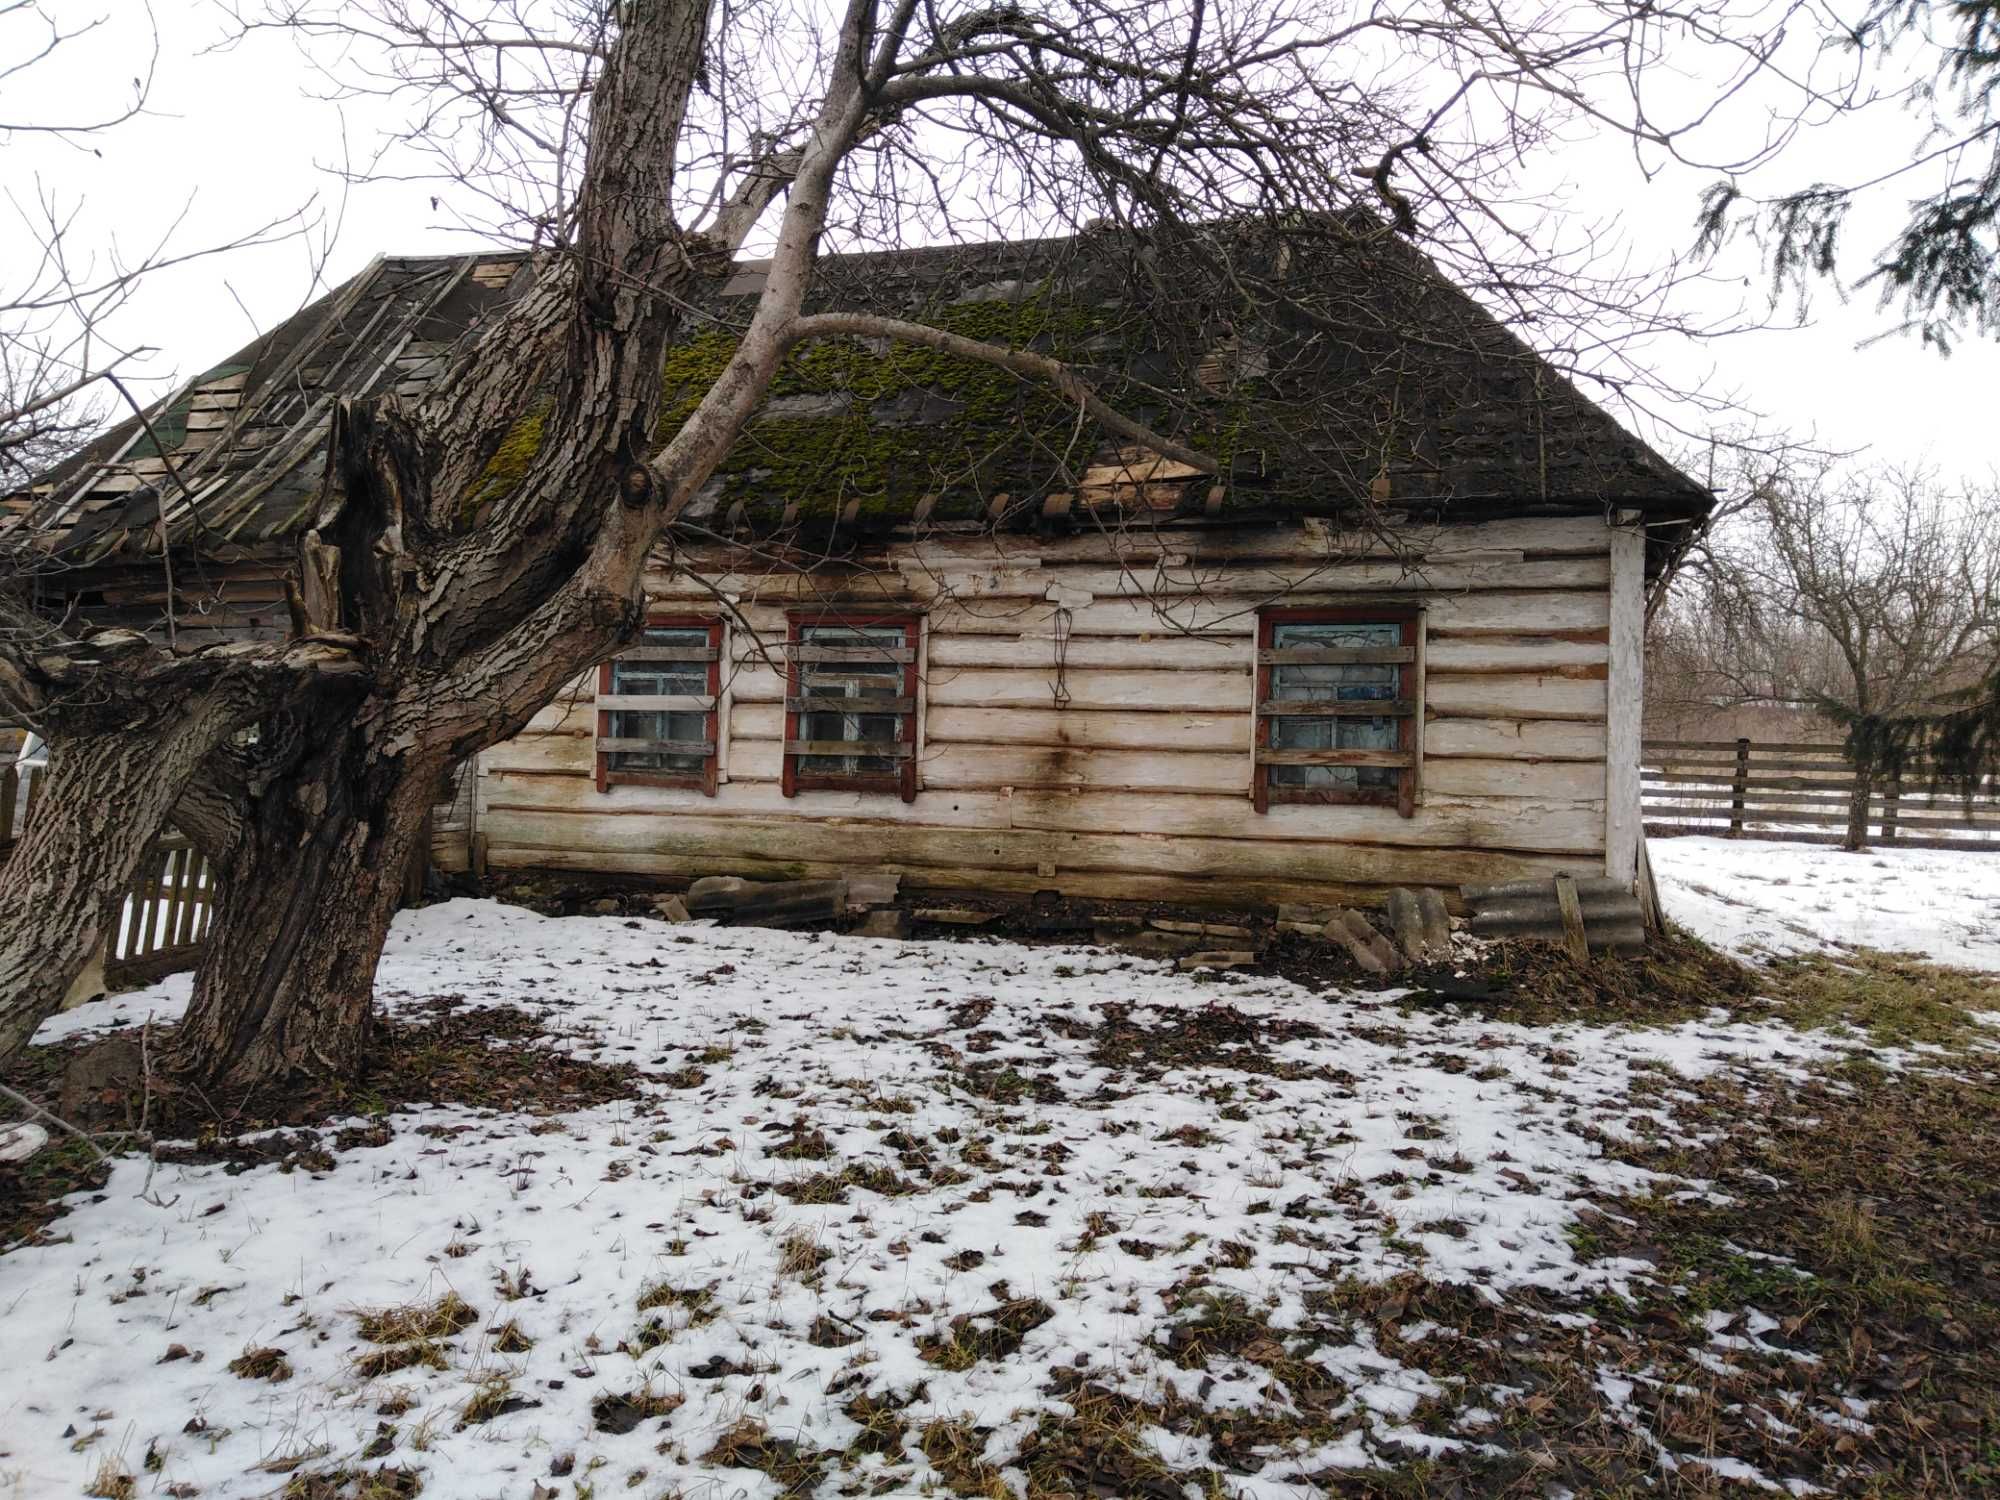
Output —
(242, 135)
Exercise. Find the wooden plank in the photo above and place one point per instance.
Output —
(613, 745)
(1625, 698)
(1380, 758)
(723, 844)
(1543, 825)
(1513, 695)
(985, 767)
(882, 654)
(685, 703)
(666, 653)
(872, 749)
(1831, 781)
(1336, 655)
(1166, 536)
(1513, 739)
(923, 581)
(1139, 691)
(850, 705)
(1335, 708)
(1528, 653)
(1166, 653)
(1572, 918)
(1729, 746)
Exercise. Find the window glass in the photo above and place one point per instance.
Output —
(661, 679)
(869, 676)
(1356, 682)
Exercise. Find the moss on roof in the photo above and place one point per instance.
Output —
(887, 424)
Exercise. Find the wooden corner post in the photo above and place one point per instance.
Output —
(1625, 701)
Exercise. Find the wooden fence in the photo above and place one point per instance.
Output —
(166, 914)
(1801, 793)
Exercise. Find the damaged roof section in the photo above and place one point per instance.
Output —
(1369, 380)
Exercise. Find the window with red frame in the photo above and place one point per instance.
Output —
(656, 707)
(1337, 706)
(851, 704)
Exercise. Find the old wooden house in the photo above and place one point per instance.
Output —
(925, 619)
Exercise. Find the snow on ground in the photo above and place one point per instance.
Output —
(1756, 896)
(844, 1147)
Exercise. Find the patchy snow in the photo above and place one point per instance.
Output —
(1755, 896)
(843, 1144)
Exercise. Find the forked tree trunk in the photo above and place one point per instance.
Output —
(283, 990)
(105, 797)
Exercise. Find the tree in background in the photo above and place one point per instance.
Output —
(1870, 598)
(1941, 270)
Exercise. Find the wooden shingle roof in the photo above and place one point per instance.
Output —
(1386, 384)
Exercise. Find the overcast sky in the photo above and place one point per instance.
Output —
(238, 137)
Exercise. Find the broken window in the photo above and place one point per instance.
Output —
(851, 705)
(1337, 706)
(656, 707)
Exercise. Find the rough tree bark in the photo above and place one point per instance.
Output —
(132, 731)
(105, 797)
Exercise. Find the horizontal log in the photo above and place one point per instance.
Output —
(1142, 539)
(872, 749)
(658, 703)
(667, 653)
(1664, 746)
(850, 705)
(1336, 655)
(1382, 759)
(1726, 768)
(1335, 708)
(1831, 777)
(614, 746)
(1543, 825)
(870, 588)
(1514, 695)
(1514, 739)
(883, 654)
(723, 844)
(1144, 692)
(1178, 763)
(987, 767)
(1200, 652)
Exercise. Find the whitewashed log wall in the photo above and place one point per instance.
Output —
(1138, 787)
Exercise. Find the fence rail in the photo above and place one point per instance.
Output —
(1803, 793)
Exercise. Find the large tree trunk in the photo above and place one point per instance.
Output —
(1856, 836)
(105, 798)
(283, 990)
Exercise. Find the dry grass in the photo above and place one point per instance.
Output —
(261, 1364)
(113, 1481)
(438, 1319)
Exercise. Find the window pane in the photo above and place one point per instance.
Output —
(662, 679)
(859, 681)
(1336, 682)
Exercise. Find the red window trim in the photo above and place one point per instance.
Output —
(706, 779)
(1403, 796)
(902, 780)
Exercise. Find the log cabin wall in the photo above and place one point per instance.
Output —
(1088, 720)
